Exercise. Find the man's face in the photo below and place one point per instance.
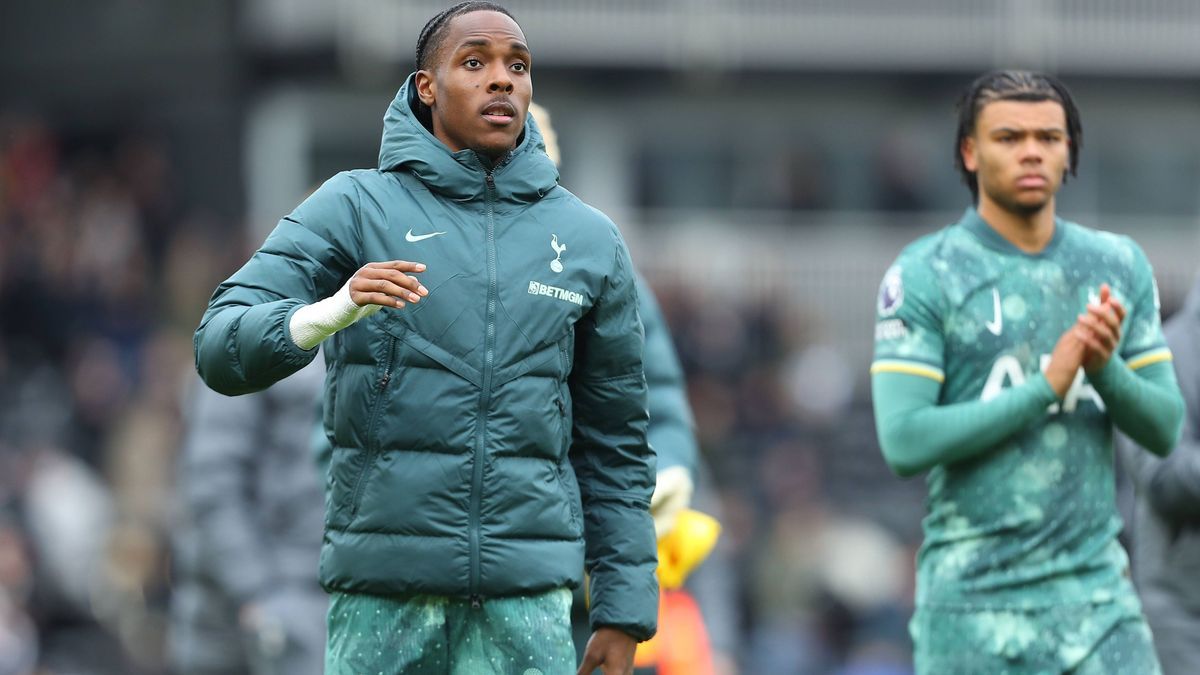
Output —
(1019, 153)
(480, 86)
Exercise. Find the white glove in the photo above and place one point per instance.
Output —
(672, 494)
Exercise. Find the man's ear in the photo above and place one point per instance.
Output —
(967, 149)
(426, 87)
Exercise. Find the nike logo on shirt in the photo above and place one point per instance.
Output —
(997, 323)
(409, 236)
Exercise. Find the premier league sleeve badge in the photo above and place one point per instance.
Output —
(891, 292)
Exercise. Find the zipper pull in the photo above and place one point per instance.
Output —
(491, 182)
(476, 602)
(387, 377)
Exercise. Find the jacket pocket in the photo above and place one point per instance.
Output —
(570, 487)
(360, 482)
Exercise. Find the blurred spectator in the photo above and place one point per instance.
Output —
(805, 178)
(18, 640)
(1166, 513)
(776, 419)
(246, 598)
(900, 176)
(819, 384)
(89, 410)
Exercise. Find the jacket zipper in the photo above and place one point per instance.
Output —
(485, 396)
(373, 443)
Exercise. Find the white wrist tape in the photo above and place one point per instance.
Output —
(313, 323)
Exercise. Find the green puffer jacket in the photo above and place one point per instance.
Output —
(672, 431)
(479, 433)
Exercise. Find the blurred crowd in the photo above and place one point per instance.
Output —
(104, 271)
(820, 536)
(103, 275)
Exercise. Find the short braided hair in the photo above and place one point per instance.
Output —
(434, 32)
(1014, 85)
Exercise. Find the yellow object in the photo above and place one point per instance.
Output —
(687, 545)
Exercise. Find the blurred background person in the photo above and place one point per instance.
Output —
(91, 342)
(246, 597)
(1166, 514)
(683, 643)
(1010, 404)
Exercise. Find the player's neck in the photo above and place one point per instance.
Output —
(1029, 232)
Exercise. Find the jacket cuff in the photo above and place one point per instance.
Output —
(291, 340)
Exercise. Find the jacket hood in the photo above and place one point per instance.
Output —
(407, 145)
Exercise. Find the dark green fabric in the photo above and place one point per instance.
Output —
(1032, 522)
(479, 433)
(1173, 486)
(672, 428)
(1144, 404)
(917, 434)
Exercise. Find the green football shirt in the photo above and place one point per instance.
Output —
(1032, 522)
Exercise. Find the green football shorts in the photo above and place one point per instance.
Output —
(438, 635)
(1084, 639)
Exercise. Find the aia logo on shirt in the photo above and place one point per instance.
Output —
(891, 292)
(1007, 372)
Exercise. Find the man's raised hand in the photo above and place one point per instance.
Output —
(387, 284)
(1100, 329)
(1065, 361)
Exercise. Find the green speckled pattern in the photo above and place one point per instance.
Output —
(1033, 523)
(1104, 639)
(439, 635)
